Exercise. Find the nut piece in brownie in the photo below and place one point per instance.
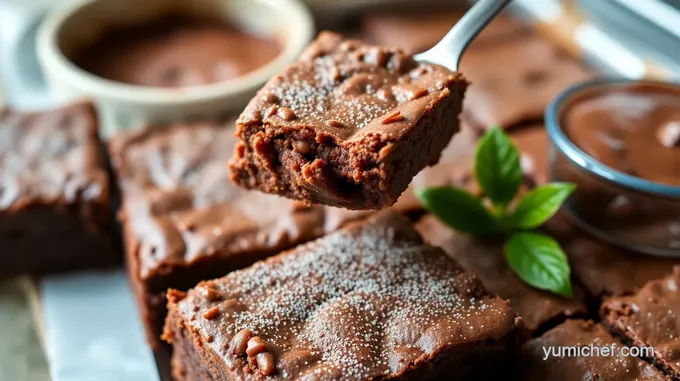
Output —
(184, 221)
(533, 72)
(347, 125)
(484, 258)
(548, 357)
(370, 301)
(650, 318)
(54, 192)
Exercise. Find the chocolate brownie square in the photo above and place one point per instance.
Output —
(484, 258)
(650, 318)
(54, 192)
(581, 350)
(371, 301)
(513, 82)
(184, 221)
(347, 125)
(606, 271)
(416, 30)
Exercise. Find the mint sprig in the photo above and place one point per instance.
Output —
(535, 257)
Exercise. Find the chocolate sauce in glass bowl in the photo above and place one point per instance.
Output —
(619, 142)
(176, 51)
(634, 130)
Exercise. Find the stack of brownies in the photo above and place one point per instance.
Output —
(248, 285)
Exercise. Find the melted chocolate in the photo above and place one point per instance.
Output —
(176, 51)
(631, 130)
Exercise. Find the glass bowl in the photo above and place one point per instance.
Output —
(616, 207)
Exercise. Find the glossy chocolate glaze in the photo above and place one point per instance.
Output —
(635, 130)
(176, 51)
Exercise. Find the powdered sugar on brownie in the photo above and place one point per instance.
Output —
(368, 301)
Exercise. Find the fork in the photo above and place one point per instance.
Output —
(449, 50)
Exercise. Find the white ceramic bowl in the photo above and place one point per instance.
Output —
(75, 23)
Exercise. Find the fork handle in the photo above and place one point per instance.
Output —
(453, 45)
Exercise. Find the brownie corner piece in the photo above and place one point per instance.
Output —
(370, 301)
(348, 125)
(650, 318)
(54, 192)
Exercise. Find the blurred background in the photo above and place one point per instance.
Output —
(629, 38)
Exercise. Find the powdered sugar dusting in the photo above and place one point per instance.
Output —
(356, 304)
(346, 81)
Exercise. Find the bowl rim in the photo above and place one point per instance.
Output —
(588, 163)
(50, 54)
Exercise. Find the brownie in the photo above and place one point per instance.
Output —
(533, 72)
(484, 258)
(54, 192)
(184, 221)
(347, 125)
(606, 270)
(650, 318)
(371, 301)
(547, 357)
(408, 30)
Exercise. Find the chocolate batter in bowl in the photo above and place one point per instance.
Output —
(619, 141)
(168, 61)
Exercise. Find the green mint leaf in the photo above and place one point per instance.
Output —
(539, 261)
(497, 167)
(537, 206)
(458, 209)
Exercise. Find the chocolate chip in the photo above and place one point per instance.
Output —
(195, 308)
(239, 343)
(286, 114)
(210, 294)
(301, 146)
(393, 117)
(256, 345)
(266, 363)
(400, 63)
(271, 111)
(334, 74)
(211, 313)
(270, 98)
(376, 56)
(669, 134)
(335, 123)
(385, 95)
(209, 339)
